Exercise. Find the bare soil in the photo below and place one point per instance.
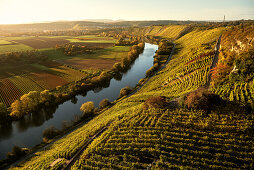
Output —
(90, 63)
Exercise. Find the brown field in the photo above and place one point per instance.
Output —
(48, 81)
(41, 42)
(91, 63)
(50, 64)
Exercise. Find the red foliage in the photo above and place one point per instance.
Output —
(220, 70)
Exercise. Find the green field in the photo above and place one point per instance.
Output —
(116, 52)
(3, 42)
(14, 48)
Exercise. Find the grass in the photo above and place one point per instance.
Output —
(15, 38)
(40, 67)
(14, 48)
(3, 42)
(92, 41)
(53, 54)
(116, 52)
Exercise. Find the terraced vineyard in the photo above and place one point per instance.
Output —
(169, 139)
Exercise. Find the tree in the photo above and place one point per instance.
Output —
(87, 109)
(125, 91)
(117, 67)
(104, 103)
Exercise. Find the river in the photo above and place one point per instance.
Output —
(27, 132)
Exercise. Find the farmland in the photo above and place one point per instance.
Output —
(37, 80)
(38, 76)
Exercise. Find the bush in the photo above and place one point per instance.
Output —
(202, 99)
(16, 152)
(117, 67)
(104, 103)
(125, 91)
(87, 109)
(155, 102)
(50, 133)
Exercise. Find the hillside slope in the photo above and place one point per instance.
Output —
(167, 137)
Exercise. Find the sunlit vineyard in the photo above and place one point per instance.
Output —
(170, 139)
(169, 32)
(233, 76)
(242, 92)
(163, 138)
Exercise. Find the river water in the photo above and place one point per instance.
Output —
(28, 131)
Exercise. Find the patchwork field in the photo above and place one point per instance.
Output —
(102, 59)
(17, 79)
(36, 77)
(24, 43)
(91, 63)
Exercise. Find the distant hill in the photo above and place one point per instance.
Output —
(84, 25)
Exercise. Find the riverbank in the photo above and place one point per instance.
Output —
(68, 106)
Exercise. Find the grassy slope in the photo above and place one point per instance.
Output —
(132, 106)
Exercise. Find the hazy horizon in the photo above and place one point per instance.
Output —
(31, 11)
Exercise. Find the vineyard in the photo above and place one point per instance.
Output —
(162, 138)
(170, 139)
(233, 76)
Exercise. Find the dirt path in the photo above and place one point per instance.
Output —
(214, 63)
(80, 151)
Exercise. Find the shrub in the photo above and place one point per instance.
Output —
(202, 99)
(104, 103)
(117, 67)
(16, 152)
(87, 109)
(125, 91)
(50, 133)
(155, 102)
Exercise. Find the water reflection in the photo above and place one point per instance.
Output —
(74, 100)
(35, 119)
(5, 131)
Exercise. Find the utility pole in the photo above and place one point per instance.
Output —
(224, 18)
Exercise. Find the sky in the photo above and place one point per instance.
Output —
(27, 11)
